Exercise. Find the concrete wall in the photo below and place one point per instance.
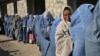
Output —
(22, 7)
(55, 6)
(10, 9)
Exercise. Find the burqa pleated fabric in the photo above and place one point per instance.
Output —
(24, 26)
(46, 22)
(35, 22)
(79, 21)
(38, 32)
(30, 23)
(21, 29)
(41, 32)
(5, 25)
(11, 26)
(52, 34)
(36, 18)
(25, 18)
(93, 34)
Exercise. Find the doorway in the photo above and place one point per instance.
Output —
(35, 6)
(76, 3)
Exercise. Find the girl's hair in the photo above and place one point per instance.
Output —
(67, 8)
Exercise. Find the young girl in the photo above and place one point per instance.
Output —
(62, 37)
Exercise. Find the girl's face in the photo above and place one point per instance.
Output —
(66, 15)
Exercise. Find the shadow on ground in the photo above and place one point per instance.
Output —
(6, 41)
(6, 53)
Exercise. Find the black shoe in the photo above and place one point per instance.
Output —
(19, 40)
(24, 42)
(14, 39)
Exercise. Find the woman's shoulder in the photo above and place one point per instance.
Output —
(60, 25)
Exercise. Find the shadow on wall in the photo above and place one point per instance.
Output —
(1, 27)
(6, 53)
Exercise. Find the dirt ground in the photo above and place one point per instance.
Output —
(9, 47)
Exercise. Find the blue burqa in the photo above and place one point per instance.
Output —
(42, 36)
(93, 34)
(52, 35)
(79, 21)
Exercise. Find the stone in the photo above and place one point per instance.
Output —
(10, 9)
(22, 7)
(51, 4)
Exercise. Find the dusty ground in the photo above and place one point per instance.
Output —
(9, 47)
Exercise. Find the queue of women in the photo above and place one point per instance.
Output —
(70, 34)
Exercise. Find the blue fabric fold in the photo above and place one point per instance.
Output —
(92, 42)
(79, 22)
(41, 32)
(52, 34)
(5, 25)
(30, 24)
(25, 18)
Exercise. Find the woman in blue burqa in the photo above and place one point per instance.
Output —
(92, 40)
(79, 22)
